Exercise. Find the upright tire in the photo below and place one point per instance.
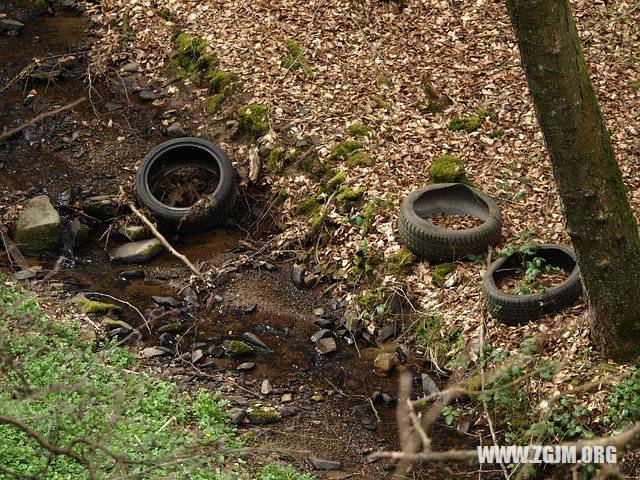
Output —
(183, 153)
(519, 309)
(440, 244)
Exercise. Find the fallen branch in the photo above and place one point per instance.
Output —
(42, 116)
(163, 240)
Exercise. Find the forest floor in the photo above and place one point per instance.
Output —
(364, 64)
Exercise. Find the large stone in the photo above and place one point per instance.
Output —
(11, 25)
(102, 207)
(176, 130)
(384, 363)
(134, 232)
(136, 252)
(37, 228)
(326, 345)
(322, 464)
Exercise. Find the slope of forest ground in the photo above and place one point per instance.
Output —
(363, 63)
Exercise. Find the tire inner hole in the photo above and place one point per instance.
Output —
(532, 275)
(453, 221)
(183, 187)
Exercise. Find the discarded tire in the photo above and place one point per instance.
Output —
(519, 309)
(435, 243)
(184, 153)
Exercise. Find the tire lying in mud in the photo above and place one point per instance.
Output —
(183, 154)
(518, 309)
(436, 243)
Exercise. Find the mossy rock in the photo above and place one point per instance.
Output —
(281, 158)
(448, 169)
(253, 119)
(308, 205)
(380, 102)
(441, 272)
(342, 150)
(79, 232)
(212, 102)
(220, 80)
(468, 124)
(191, 57)
(175, 327)
(359, 158)
(262, 417)
(335, 181)
(347, 196)
(38, 226)
(98, 308)
(360, 131)
(239, 349)
(400, 263)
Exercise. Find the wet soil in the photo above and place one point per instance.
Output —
(96, 148)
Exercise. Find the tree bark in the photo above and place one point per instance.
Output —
(598, 215)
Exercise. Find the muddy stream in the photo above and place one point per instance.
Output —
(95, 148)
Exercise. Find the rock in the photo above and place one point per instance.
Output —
(351, 322)
(310, 279)
(324, 333)
(196, 356)
(11, 25)
(131, 274)
(297, 276)
(385, 363)
(319, 312)
(254, 340)
(23, 275)
(79, 232)
(131, 67)
(376, 397)
(176, 130)
(266, 388)
(243, 367)
(111, 324)
(324, 322)
(165, 301)
(236, 415)
(261, 417)
(387, 332)
(322, 464)
(216, 352)
(175, 327)
(318, 398)
(102, 207)
(136, 252)
(429, 387)
(250, 308)
(388, 401)
(221, 279)
(37, 228)
(286, 398)
(239, 349)
(151, 352)
(134, 232)
(326, 345)
(287, 412)
(100, 308)
(191, 297)
(147, 96)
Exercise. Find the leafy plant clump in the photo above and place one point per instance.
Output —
(532, 270)
(296, 59)
(448, 169)
(253, 119)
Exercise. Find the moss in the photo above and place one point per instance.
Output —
(282, 194)
(335, 181)
(110, 323)
(486, 114)
(343, 149)
(175, 327)
(38, 242)
(635, 86)
(212, 102)
(380, 102)
(239, 349)
(39, 6)
(448, 169)
(365, 263)
(360, 131)
(81, 234)
(346, 195)
(497, 133)
(191, 57)
(400, 263)
(441, 271)
(99, 308)
(261, 416)
(165, 13)
(382, 80)
(359, 158)
(296, 59)
(434, 107)
(469, 124)
(220, 80)
(308, 205)
(316, 224)
(152, 249)
(253, 119)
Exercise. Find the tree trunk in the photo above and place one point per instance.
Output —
(598, 216)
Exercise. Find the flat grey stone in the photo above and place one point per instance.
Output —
(243, 367)
(11, 25)
(429, 387)
(131, 67)
(266, 387)
(151, 352)
(147, 95)
(326, 345)
(176, 130)
(136, 252)
(236, 415)
(325, 332)
(322, 464)
(196, 356)
(165, 301)
(254, 340)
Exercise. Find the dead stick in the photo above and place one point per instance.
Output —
(12, 132)
(163, 240)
